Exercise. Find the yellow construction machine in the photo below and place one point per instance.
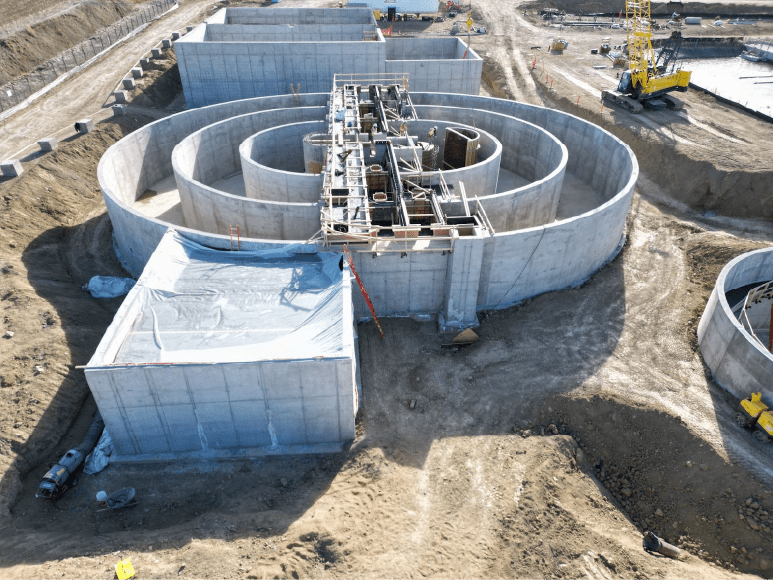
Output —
(754, 414)
(646, 84)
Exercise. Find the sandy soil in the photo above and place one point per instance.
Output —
(39, 31)
(580, 419)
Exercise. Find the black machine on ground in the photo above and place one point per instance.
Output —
(62, 475)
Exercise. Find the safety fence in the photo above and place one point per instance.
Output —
(16, 91)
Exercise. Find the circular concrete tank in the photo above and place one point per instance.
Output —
(738, 361)
(556, 189)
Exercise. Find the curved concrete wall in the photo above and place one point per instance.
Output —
(143, 158)
(528, 151)
(273, 165)
(515, 265)
(211, 154)
(479, 178)
(737, 361)
(588, 145)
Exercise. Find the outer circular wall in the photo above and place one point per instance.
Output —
(737, 361)
(515, 264)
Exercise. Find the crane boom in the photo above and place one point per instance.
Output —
(640, 53)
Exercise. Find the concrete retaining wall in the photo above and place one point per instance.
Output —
(273, 165)
(515, 265)
(737, 361)
(215, 72)
(248, 15)
(435, 64)
(295, 33)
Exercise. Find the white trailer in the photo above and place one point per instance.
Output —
(405, 6)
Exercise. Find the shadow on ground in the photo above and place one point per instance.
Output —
(548, 345)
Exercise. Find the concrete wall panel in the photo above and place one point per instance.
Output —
(226, 406)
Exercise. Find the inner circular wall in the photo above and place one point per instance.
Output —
(273, 168)
(208, 155)
(479, 178)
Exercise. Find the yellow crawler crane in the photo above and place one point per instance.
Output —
(644, 85)
(754, 414)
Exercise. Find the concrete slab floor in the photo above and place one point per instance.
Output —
(508, 180)
(162, 201)
(233, 184)
(577, 197)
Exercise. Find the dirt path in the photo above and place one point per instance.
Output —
(88, 94)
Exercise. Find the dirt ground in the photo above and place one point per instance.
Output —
(580, 418)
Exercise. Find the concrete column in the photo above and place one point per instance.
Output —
(119, 110)
(462, 280)
(128, 83)
(166, 43)
(120, 96)
(137, 72)
(175, 35)
(144, 63)
(156, 52)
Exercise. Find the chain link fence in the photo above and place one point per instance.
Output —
(13, 93)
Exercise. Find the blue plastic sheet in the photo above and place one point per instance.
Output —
(109, 286)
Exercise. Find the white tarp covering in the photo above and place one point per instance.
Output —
(195, 304)
(98, 459)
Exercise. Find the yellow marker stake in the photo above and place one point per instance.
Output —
(124, 569)
(469, 23)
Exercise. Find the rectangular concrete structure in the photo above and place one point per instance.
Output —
(166, 43)
(119, 110)
(175, 35)
(144, 62)
(137, 72)
(155, 52)
(120, 96)
(128, 84)
(48, 144)
(11, 168)
(212, 352)
(240, 53)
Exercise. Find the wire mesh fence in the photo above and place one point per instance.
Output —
(16, 91)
